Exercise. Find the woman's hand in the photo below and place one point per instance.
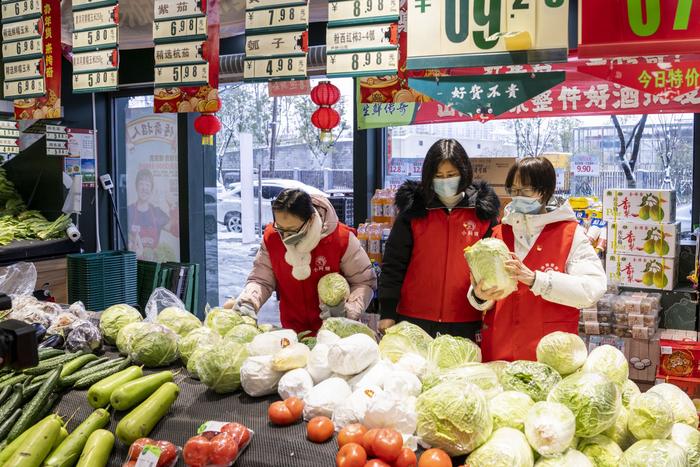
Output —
(519, 271)
(385, 324)
(485, 294)
(230, 303)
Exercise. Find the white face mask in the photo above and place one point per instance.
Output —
(446, 187)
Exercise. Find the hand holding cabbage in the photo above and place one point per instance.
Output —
(487, 261)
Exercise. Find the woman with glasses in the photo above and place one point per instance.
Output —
(306, 242)
(557, 269)
(425, 278)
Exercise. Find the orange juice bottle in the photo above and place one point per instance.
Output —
(376, 207)
(389, 208)
(375, 243)
(362, 236)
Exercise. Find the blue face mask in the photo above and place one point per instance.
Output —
(525, 205)
(446, 187)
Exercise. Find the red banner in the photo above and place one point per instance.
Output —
(48, 106)
(289, 88)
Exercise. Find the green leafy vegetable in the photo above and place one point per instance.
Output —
(486, 260)
(532, 378)
(333, 289)
(563, 351)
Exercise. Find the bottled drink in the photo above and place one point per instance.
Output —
(377, 207)
(375, 243)
(385, 236)
(362, 236)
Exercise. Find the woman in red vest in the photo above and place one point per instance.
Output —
(425, 278)
(306, 242)
(557, 269)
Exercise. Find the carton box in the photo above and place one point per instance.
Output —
(641, 271)
(642, 355)
(640, 205)
(679, 308)
(678, 335)
(679, 359)
(493, 170)
(644, 239)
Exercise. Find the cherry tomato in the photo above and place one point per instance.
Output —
(279, 414)
(196, 451)
(168, 453)
(352, 433)
(224, 449)
(377, 463)
(407, 458)
(295, 405)
(239, 432)
(351, 455)
(137, 447)
(368, 441)
(387, 444)
(435, 458)
(320, 429)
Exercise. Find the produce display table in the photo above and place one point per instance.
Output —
(270, 446)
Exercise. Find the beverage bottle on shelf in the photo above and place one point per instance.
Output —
(376, 206)
(362, 236)
(375, 239)
(389, 210)
(386, 230)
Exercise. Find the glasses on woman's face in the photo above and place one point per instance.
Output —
(287, 232)
(522, 191)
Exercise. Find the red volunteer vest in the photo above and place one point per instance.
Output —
(437, 280)
(516, 324)
(299, 299)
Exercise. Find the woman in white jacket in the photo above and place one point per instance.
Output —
(557, 269)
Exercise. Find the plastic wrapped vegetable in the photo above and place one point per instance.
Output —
(505, 448)
(550, 428)
(563, 351)
(475, 373)
(532, 378)
(402, 384)
(344, 327)
(354, 408)
(194, 358)
(601, 450)
(220, 368)
(83, 335)
(454, 417)
(620, 432)
(571, 458)
(323, 398)
(629, 390)
(404, 338)
(654, 452)
(509, 409)
(290, 357)
(683, 408)
(333, 289)
(243, 333)
(388, 411)
(650, 417)
(375, 375)
(195, 339)
(413, 363)
(222, 320)
(317, 366)
(258, 377)
(689, 440)
(269, 343)
(182, 322)
(154, 345)
(609, 362)
(351, 355)
(126, 335)
(114, 318)
(296, 383)
(486, 260)
(447, 351)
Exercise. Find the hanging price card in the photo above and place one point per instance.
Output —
(21, 10)
(346, 12)
(180, 29)
(20, 50)
(181, 52)
(9, 149)
(265, 4)
(167, 9)
(95, 18)
(24, 88)
(280, 19)
(274, 68)
(270, 45)
(9, 133)
(56, 132)
(373, 63)
(95, 81)
(8, 142)
(85, 4)
(179, 75)
(96, 61)
(10, 126)
(362, 38)
(95, 39)
(28, 29)
(25, 69)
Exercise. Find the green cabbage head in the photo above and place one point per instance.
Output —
(505, 448)
(403, 338)
(197, 338)
(620, 432)
(447, 351)
(650, 417)
(594, 400)
(475, 373)
(654, 452)
(344, 327)
(629, 390)
(114, 318)
(509, 409)
(609, 362)
(601, 450)
(563, 351)
(550, 428)
(689, 440)
(454, 417)
(684, 410)
(220, 368)
(222, 320)
(193, 361)
(571, 458)
(486, 260)
(333, 289)
(126, 335)
(532, 378)
(498, 366)
(182, 322)
(243, 333)
(154, 345)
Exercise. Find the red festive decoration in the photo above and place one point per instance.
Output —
(325, 118)
(207, 125)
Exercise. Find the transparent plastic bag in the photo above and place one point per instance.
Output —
(62, 324)
(149, 452)
(161, 299)
(78, 309)
(18, 279)
(83, 335)
(218, 439)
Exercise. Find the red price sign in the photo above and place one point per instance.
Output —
(586, 166)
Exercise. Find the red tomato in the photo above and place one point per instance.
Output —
(295, 405)
(351, 455)
(279, 414)
(407, 458)
(196, 451)
(435, 458)
(368, 441)
(387, 444)
(129, 464)
(137, 447)
(239, 432)
(320, 429)
(168, 453)
(224, 449)
(377, 463)
(352, 433)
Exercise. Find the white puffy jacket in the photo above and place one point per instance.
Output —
(584, 280)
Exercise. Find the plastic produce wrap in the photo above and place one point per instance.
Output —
(344, 327)
(83, 335)
(375, 375)
(388, 411)
(650, 417)
(153, 345)
(404, 338)
(486, 260)
(222, 320)
(220, 368)
(550, 428)
(258, 378)
(146, 451)
(193, 361)
(653, 452)
(217, 444)
(601, 450)
(296, 383)
(195, 339)
(413, 363)
(291, 357)
(18, 279)
(333, 289)
(323, 398)
(317, 366)
(62, 324)
(115, 318)
(402, 384)
(620, 432)
(126, 335)
(351, 355)
(563, 351)
(475, 373)
(242, 333)
(684, 410)
(353, 409)
(571, 458)
(532, 378)
(689, 440)
(159, 300)
(78, 309)
(446, 352)
(179, 320)
(505, 448)
(609, 362)
(509, 409)
(33, 314)
(270, 343)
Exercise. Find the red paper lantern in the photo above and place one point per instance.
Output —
(207, 125)
(326, 93)
(325, 118)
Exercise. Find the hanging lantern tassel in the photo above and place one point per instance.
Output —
(207, 125)
(325, 118)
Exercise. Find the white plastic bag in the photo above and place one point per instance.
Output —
(291, 357)
(323, 398)
(295, 383)
(353, 354)
(317, 366)
(353, 409)
(326, 337)
(402, 384)
(272, 342)
(18, 279)
(375, 375)
(413, 363)
(387, 411)
(159, 300)
(257, 376)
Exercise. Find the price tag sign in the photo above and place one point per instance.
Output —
(95, 18)
(345, 12)
(286, 18)
(5, 133)
(56, 132)
(28, 29)
(9, 125)
(168, 9)
(279, 44)
(24, 88)
(53, 144)
(25, 69)
(8, 142)
(21, 10)
(95, 81)
(20, 50)
(182, 53)
(265, 4)
(586, 165)
(268, 69)
(180, 29)
(96, 61)
(372, 63)
(84, 4)
(179, 75)
(96, 39)
(9, 149)
(359, 38)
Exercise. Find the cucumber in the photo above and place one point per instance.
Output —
(68, 452)
(14, 380)
(139, 422)
(134, 392)
(4, 394)
(76, 364)
(33, 408)
(6, 450)
(90, 372)
(99, 361)
(99, 393)
(45, 354)
(97, 449)
(7, 376)
(52, 363)
(13, 403)
(7, 424)
(92, 376)
(50, 402)
(37, 445)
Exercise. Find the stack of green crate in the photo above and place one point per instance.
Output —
(148, 277)
(180, 278)
(101, 280)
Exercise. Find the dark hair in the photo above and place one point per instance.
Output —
(537, 173)
(294, 201)
(445, 150)
(144, 175)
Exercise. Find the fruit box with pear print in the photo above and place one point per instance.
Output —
(640, 205)
(641, 271)
(644, 239)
